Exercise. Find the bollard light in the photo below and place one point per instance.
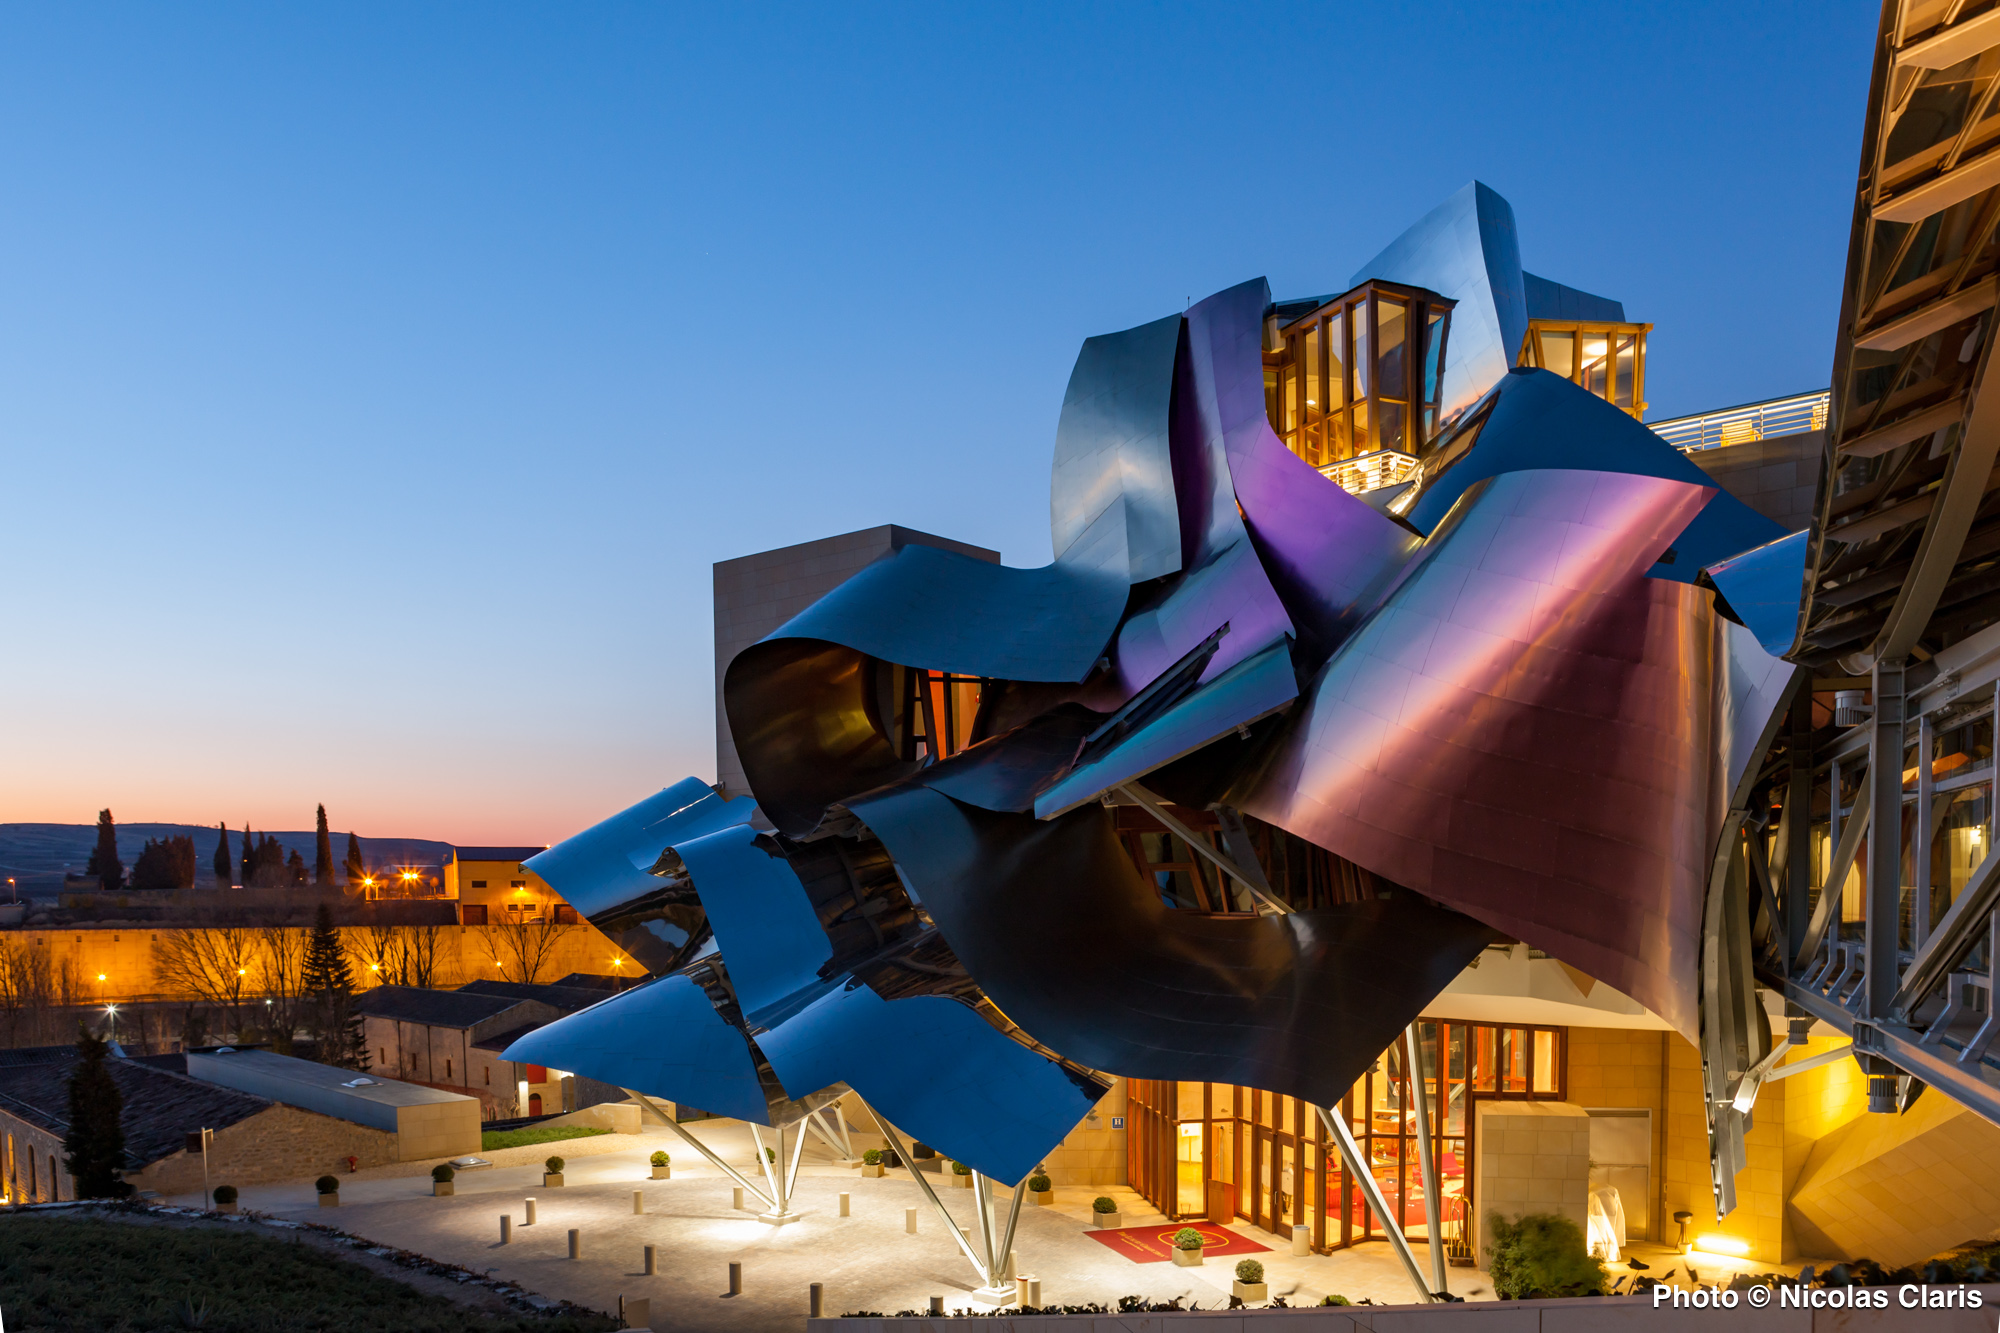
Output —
(937, 1305)
(815, 1300)
(575, 1244)
(506, 1229)
(910, 1220)
(638, 1202)
(531, 1214)
(736, 1279)
(652, 1261)
(736, 1197)
(844, 1204)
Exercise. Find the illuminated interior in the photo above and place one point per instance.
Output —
(1608, 360)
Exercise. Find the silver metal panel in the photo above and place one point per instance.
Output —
(608, 864)
(766, 928)
(1524, 731)
(1112, 455)
(664, 1039)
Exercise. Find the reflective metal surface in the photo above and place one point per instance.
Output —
(1524, 730)
(1111, 455)
(1764, 587)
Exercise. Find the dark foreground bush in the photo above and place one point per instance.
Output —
(1542, 1255)
(63, 1271)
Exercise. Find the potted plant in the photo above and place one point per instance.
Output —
(661, 1169)
(1187, 1247)
(922, 1151)
(961, 1176)
(1250, 1284)
(1040, 1190)
(871, 1163)
(225, 1198)
(1106, 1212)
(329, 1191)
(441, 1175)
(552, 1173)
(890, 1158)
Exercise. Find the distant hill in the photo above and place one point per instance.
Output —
(38, 855)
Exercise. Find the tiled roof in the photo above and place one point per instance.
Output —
(504, 1039)
(161, 1108)
(497, 853)
(569, 999)
(433, 1008)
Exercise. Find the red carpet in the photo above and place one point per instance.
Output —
(1155, 1244)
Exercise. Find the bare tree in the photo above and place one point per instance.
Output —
(212, 964)
(383, 956)
(524, 948)
(421, 945)
(280, 975)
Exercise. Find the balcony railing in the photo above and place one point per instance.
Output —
(1741, 425)
(1371, 471)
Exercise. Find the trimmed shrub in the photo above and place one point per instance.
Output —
(225, 1194)
(1335, 1299)
(1101, 1204)
(442, 1173)
(1249, 1270)
(872, 1157)
(960, 1169)
(1039, 1184)
(1187, 1238)
(661, 1159)
(770, 1154)
(1542, 1255)
(327, 1184)
(553, 1166)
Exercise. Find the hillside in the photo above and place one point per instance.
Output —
(38, 855)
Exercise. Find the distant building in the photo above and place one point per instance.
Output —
(493, 888)
(273, 1117)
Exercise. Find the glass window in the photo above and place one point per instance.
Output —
(1392, 334)
(1559, 352)
(1290, 419)
(1433, 350)
(1545, 1060)
(1392, 419)
(1627, 371)
(1362, 364)
(1597, 364)
(1336, 362)
(1315, 400)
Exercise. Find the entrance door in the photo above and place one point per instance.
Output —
(1263, 1158)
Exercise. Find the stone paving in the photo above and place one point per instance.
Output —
(866, 1261)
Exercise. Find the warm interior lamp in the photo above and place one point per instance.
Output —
(1596, 349)
(1726, 1246)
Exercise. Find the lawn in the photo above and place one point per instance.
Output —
(65, 1271)
(494, 1139)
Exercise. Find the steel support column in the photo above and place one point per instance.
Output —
(1798, 825)
(1884, 916)
(1358, 1172)
(648, 1104)
(1427, 1157)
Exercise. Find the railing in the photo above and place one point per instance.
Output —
(1384, 467)
(1751, 421)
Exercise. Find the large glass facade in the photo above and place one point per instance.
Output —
(1353, 385)
(1608, 360)
(1227, 1153)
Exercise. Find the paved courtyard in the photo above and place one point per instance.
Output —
(866, 1261)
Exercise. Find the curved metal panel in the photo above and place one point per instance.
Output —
(1524, 731)
(664, 1039)
(1327, 554)
(608, 864)
(1112, 453)
(1765, 587)
(1160, 630)
(769, 935)
(1538, 420)
(937, 1070)
(1467, 249)
(1249, 691)
(1056, 925)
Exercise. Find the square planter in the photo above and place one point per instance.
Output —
(662, 1172)
(225, 1208)
(1042, 1198)
(873, 1172)
(1107, 1221)
(1187, 1258)
(551, 1181)
(330, 1200)
(440, 1188)
(959, 1182)
(1250, 1291)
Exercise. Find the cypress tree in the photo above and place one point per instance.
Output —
(295, 871)
(329, 985)
(94, 1147)
(249, 856)
(357, 870)
(104, 862)
(323, 853)
(224, 864)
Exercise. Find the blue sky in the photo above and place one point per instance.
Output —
(379, 382)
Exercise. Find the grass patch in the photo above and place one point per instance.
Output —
(63, 1272)
(495, 1139)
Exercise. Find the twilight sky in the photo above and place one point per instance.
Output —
(379, 382)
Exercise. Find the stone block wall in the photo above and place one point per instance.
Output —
(1778, 477)
(1531, 1157)
(1093, 1154)
(1621, 1067)
(280, 1143)
(437, 1129)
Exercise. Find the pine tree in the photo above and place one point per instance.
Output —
(249, 857)
(104, 865)
(357, 869)
(329, 987)
(323, 853)
(224, 863)
(94, 1147)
